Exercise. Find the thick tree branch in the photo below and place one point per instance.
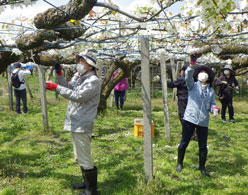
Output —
(75, 9)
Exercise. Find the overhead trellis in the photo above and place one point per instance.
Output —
(60, 32)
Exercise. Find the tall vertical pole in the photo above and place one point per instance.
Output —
(165, 96)
(10, 88)
(43, 97)
(146, 99)
(174, 77)
(4, 86)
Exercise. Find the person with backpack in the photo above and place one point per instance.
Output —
(227, 82)
(18, 82)
(83, 91)
(201, 101)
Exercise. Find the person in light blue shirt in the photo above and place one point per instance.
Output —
(201, 101)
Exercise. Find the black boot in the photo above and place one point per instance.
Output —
(202, 162)
(121, 106)
(91, 182)
(80, 185)
(181, 153)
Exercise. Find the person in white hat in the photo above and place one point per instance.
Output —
(227, 82)
(84, 94)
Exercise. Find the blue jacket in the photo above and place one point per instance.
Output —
(198, 107)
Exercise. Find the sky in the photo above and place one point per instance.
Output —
(29, 12)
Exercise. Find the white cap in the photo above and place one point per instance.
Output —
(89, 58)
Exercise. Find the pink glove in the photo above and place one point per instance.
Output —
(51, 86)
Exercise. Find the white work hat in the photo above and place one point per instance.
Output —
(89, 57)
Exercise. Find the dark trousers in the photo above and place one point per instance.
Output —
(188, 130)
(119, 95)
(182, 103)
(21, 95)
(227, 102)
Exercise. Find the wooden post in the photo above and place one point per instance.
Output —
(111, 99)
(28, 88)
(50, 73)
(146, 99)
(43, 97)
(10, 88)
(165, 96)
(174, 77)
(152, 75)
(4, 86)
(55, 81)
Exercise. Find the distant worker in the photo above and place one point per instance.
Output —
(18, 82)
(120, 91)
(227, 83)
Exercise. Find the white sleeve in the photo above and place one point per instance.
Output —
(24, 73)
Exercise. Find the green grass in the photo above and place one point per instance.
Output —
(33, 161)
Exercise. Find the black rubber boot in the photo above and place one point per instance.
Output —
(91, 182)
(202, 162)
(80, 185)
(180, 157)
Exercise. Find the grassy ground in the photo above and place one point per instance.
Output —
(33, 161)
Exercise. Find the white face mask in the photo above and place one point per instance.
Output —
(80, 68)
(204, 86)
(226, 72)
(202, 77)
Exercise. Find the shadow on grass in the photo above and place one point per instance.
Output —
(8, 134)
(124, 178)
(227, 167)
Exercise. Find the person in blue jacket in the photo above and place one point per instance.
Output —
(201, 101)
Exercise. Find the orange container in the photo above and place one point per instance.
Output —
(138, 128)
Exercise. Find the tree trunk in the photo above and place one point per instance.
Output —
(108, 83)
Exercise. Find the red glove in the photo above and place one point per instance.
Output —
(51, 86)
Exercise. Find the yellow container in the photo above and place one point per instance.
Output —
(138, 128)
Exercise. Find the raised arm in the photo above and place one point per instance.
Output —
(189, 77)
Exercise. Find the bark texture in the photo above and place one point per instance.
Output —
(54, 24)
(108, 83)
(6, 58)
(77, 9)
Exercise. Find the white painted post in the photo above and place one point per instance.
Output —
(146, 99)
(10, 88)
(111, 98)
(43, 97)
(174, 77)
(165, 96)
(29, 90)
(50, 73)
(4, 86)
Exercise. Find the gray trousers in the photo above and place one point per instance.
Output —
(82, 149)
